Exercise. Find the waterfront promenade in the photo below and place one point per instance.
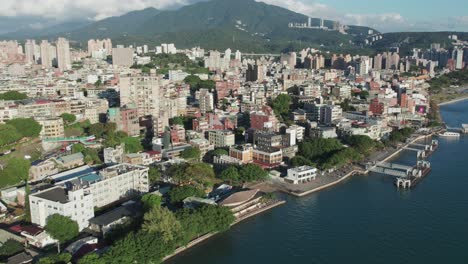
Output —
(331, 179)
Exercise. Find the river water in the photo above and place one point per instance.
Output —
(363, 220)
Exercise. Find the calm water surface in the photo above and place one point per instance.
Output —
(364, 220)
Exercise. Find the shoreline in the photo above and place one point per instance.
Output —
(453, 101)
(353, 172)
(205, 237)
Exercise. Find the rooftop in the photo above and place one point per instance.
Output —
(114, 215)
(71, 158)
(303, 168)
(56, 194)
(239, 198)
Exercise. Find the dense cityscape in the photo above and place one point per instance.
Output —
(113, 153)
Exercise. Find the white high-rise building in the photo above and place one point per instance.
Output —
(46, 56)
(238, 56)
(30, 49)
(63, 54)
(206, 100)
(458, 59)
(142, 92)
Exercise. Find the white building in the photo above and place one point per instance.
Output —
(73, 203)
(63, 54)
(301, 174)
(117, 182)
(221, 139)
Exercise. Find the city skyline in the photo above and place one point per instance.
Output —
(383, 16)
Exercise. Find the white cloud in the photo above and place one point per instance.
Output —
(93, 9)
(384, 22)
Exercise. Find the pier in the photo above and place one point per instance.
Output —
(408, 176)
(463, 129)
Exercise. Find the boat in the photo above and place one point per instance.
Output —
(449, 134)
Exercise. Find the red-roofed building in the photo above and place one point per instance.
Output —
(376, 107)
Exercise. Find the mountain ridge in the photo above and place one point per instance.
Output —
(244, 24)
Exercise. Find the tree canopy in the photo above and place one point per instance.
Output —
(132, 145)
(8, 134)
(61, 228)
(68, 118)
(281, 105)
(27, 127)
(14, 172)
(179, 193)
(13, 95)
(230, 174)
(162, 223)
(252, 172)
(191, 153)
(10, 248)
(150, 200)
(154, 175)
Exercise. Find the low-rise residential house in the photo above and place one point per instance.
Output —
(114, 155)
(106, 222)
(70, 161)
(42, 170)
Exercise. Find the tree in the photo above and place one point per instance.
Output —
(298, 161)
(231, 174)
(61, 228)
(91, 258)
(191, 153)
(176, 121)
(14, 172)
(281, 104)
(200, 173)
(209, 156)
(161, 222)
(154, 175)
(27, 127)
(252, 172)
(76, 148)
(179, 193)
(10, 248)
(8, 135)
(13, 96)
(361, 143)
(318, 149)
(132, 145)
(63, 258)
(97, 130)
(150, 200)
(68, 118)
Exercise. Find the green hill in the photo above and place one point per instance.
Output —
(242, 24)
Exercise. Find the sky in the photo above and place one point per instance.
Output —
(383, 15)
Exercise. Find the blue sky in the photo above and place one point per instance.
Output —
(384, 15)
(387, 15)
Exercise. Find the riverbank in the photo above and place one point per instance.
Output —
(453, 101)
(325, 182)
(199, 240)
